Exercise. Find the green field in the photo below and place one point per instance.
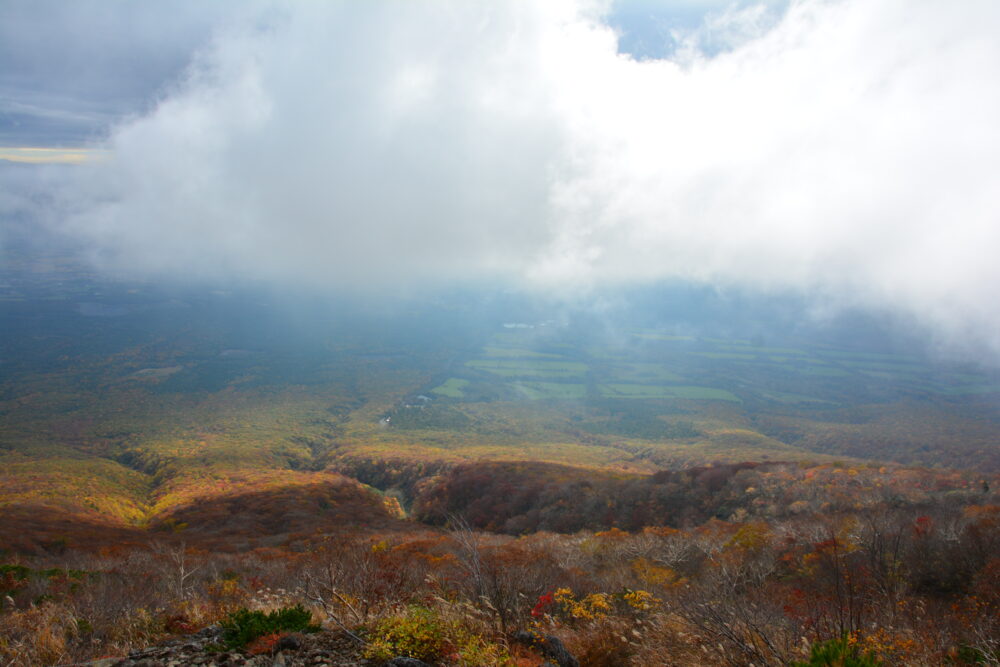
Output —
(517, 353)
(659, 391)
(792, 399)
(763, 350)
(645, 374)
(824, 371)
(726, 355)
(663, 337)
(556, 390)
(969, 390)
(873, 356)
(452, 388)
(528, 367)
(882, 365)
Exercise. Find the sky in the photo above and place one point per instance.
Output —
(847, 150)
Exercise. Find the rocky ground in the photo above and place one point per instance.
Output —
(321, 649)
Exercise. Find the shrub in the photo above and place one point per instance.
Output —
(838, 653)
(35, 636)
(594, 607)
(603, 645)
(244, 626)
(422, 633)
(265, 645)
(417, 633)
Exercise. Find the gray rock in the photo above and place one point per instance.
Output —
(209, 632)
(405, 662)
(550, 646)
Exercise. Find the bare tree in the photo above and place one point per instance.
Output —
(181, 567)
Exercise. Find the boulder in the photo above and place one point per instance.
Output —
(550, 646)
(406, 662)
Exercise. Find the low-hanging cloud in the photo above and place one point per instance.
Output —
(848, 148)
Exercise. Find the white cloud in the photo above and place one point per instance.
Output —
(848, 147)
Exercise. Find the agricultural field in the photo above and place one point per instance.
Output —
(130, 403)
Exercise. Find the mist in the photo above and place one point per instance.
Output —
(843, 151)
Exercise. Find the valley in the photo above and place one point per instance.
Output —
(258, 436)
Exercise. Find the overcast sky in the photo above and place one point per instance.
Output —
(849, 149)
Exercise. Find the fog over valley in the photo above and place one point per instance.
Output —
(399, 333)
(819, 147)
